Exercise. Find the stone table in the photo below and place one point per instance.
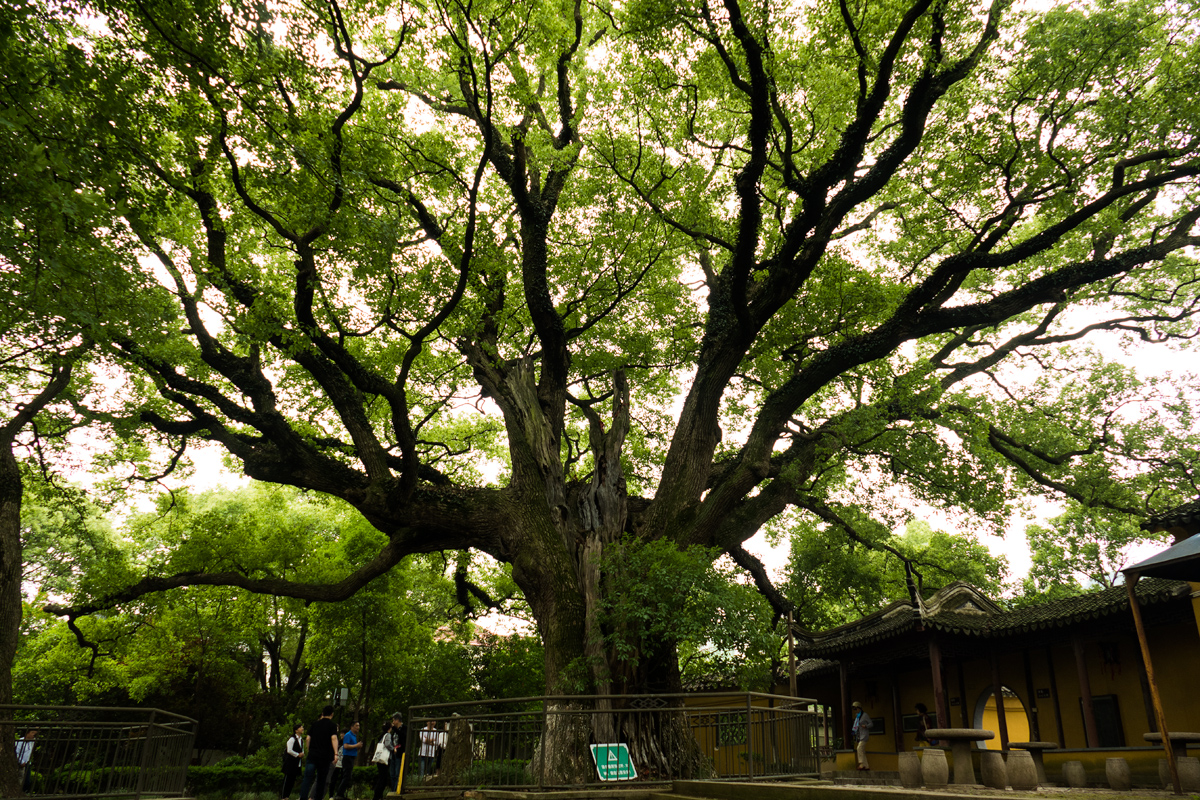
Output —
(1179, 741)
(1035, 749)
(960, 745)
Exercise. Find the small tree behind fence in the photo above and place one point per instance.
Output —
(555, 742)
(92, 751)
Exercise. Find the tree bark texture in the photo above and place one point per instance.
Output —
(10, 607)
(12, 491)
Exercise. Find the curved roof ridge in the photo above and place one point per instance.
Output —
(963, 609)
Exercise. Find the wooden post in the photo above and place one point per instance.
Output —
(897, 727)
(939, 685)
(1035, 733)
(1130, 581)
(963, 713)
(1058, 720)
(1001, 712)
(791, 659)
(1085, 693)
(844, 712)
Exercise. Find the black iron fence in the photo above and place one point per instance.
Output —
(565, 742)
(91, 751)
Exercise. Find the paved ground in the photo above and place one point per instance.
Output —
(712, 790)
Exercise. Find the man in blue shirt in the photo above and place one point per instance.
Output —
(350, 747)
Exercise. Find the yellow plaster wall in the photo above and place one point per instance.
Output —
(1175, 653)
(1015, 719)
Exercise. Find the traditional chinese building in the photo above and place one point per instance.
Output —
(1069, 671)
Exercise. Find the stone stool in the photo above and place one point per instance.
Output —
(935, 772)
(1074, 774)
(1189, 773)
(992, 770)
(910, 770)
(1035, 750)
(1117, 772)
(1022, 771)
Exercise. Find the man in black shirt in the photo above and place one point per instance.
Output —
(321, 746)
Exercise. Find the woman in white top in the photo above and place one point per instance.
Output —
(292, 756)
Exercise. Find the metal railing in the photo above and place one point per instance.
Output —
(556, 742)
(93, 751)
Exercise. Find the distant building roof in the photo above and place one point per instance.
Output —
(962, 609)
(1186, 516)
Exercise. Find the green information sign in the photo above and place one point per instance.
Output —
(613, 762)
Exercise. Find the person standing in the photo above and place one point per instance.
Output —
(382, 768)
(388, 775)
(441, 746)
(293, 754)
(861, 730)
(923, 725)
(428, 739)
(24, 755)
(350, 748)
(322, 747)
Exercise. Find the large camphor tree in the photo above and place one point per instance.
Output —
(545, 280)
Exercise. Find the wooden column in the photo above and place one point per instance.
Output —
(1130, 582)
(896, 726)
(1001, 712)
(1085, 693)
(939, 684)
(1058, 719)
(844, 721)
(963, 714)
(791, 659)
(1031, 711)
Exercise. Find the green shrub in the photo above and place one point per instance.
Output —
(506, 772)
(237, 778)
(231, 776)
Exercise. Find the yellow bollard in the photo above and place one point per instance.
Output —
(400, 782)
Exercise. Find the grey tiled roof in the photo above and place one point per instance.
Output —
(986, 622)
(1182, 516)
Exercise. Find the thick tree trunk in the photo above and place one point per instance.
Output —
(565, 532)
(559, 533)
(660, 741)
(11, 491)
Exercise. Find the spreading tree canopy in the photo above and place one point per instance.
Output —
(545, 280)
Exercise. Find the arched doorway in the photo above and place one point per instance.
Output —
(1015, 717)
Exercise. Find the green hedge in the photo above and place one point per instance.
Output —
(495, 773)
(234, 775)
(83, 779)
(222, 778)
